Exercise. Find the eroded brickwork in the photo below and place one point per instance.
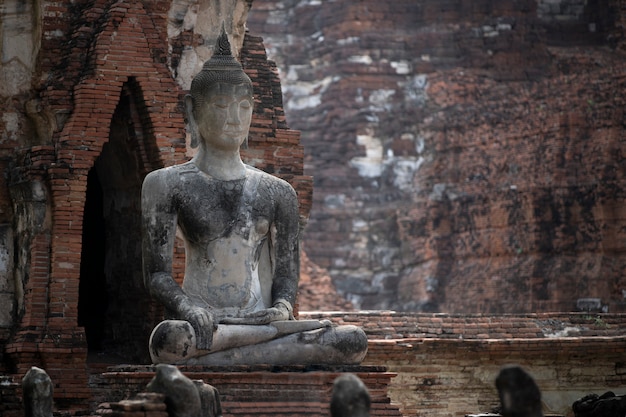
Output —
(467, 155)
(447, 364)
(436, 365)
(263, 391)
(103, 108)
(489, 92)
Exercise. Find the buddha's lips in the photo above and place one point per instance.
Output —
(233, 133)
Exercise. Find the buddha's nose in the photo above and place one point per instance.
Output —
(233, 114)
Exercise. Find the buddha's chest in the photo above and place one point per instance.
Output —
(209, 209)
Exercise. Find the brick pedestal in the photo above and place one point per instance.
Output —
(258, 390)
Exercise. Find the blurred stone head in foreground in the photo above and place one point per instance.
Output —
(350, 397)
(519, 394)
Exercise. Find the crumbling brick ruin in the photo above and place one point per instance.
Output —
(466, 154)
(92, 104)
(491, 182)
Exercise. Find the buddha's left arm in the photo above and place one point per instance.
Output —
(287, 247)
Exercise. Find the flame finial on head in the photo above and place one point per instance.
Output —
(222, 67)
(222, 59)
(222, 45)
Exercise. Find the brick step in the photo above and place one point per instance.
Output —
(249, 391)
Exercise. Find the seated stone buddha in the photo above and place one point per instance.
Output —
(240, 227)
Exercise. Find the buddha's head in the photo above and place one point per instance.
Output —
(219, 106)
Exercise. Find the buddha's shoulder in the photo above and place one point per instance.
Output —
(270, 181)
(171, 174)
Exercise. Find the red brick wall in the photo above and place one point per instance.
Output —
(91, 55)
(10, 398)
(263, 390)
(447, 364)
(448, 377)
(123, 47)
(101, 48)
(496, 130)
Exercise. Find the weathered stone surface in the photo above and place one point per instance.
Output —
(466, 155)
(605, 405)
(204, 20)
(519, 394)
(350, 397)
(37, 389)
(445, 364)
(184, 397)
(80, 64)
(92, 116)
(7, 279)
(19, 32)
(241, 229)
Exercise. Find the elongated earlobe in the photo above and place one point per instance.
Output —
(191, 122)
(244, 145)
(194, 137)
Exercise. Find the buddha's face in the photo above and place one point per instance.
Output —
(223, 119)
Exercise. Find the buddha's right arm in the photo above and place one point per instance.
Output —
(158, 237)
(165, 289)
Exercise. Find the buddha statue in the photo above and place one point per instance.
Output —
(240, 228)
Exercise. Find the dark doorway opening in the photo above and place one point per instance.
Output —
(114, 306)
(92, 295)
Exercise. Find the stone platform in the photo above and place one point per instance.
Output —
(257, 390)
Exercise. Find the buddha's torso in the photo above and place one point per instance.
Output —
(225, 225)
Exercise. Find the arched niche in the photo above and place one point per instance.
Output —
(114, 307)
